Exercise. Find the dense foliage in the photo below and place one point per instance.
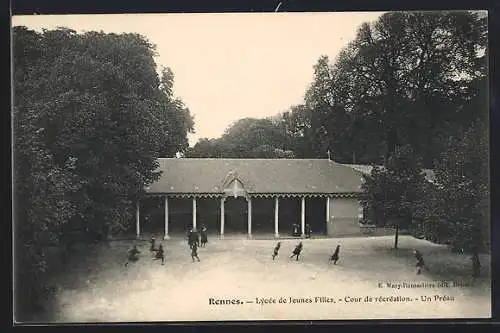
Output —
(455, 210)
(390, 192)
(408, 78)
(408, 94)
(246, 138)
(91, 117)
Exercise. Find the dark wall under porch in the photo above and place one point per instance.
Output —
(152, 215)
(290, 213)
(208, 214)
(236, 215)
(262, 215)
(316, 215)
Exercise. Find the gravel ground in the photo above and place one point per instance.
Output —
(99, 288)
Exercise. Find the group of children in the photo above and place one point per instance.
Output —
(159, 253)
(336, 255)
(194, 241)
(298, 249)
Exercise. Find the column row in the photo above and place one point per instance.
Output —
(249, 222)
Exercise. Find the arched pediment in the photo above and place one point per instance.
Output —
(234, 186)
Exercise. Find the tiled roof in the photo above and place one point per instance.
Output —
(365, 169)
(429, 174)
(208, 175)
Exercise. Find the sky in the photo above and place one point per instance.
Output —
(229, 66)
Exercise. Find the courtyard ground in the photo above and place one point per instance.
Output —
(99, 288)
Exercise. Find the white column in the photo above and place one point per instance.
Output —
(360, 211)
(327, 209)
(194, 213)
(166, 218)
(276, 215)
(303, 220)
(137, 221)
(327, 215)
(249, 200)
(222, 216)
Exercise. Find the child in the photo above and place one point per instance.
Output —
(276, 249)
(160, 254)
(420, 261)
(335, 255)
(152, 241)
(203, 236)
(133, 255)
(193, 238)
(296, 251)
(308, 231)
(194, 251)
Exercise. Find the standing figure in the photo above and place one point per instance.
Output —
(194, 251)
(190, 237)
(153, 243)
(296, 251)
(160, 254)
(276, 250)
(420, 261)
(203, 236)
(308, 231)
(133, 255)
(335, 255)
(193, 238)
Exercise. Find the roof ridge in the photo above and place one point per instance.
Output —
(246, 159)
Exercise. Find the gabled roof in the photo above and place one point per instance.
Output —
(209, 175)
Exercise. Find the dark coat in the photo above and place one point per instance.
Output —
(298, 249)
(335, 255)
(194, 250)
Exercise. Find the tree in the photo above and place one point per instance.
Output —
(252, 133)
(102, 104)
(389, 192)
(319, 99)
(41, 208)
(461, 211)
(399, 74)
(246, 138)
(91, 117)
(298, 133)
(175, 116)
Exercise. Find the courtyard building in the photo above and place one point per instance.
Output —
(284, 197)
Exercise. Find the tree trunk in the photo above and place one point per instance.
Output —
(396, 237)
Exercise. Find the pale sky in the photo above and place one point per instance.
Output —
(229, 66)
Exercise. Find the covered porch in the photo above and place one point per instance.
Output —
(250, 215)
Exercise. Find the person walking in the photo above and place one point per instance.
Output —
(420, 261)
(276, 250)
(335, 256)
(194, 251)
(133, 255)
(296, 252)
(160, 254)
(153, 243)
